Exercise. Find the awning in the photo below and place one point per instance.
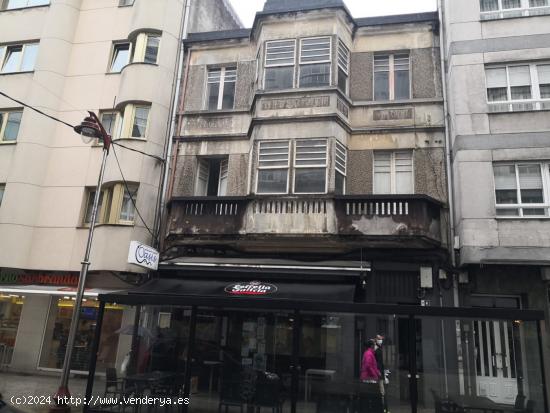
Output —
(156, 292)
(49, 290)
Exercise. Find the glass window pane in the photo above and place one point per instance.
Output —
(511, 4)
(38, 2)
(342, 80)
(12, 59)
(520, 92)
(489, 5)
(273, 153)
(315, 75)
(108, 121)
(16, 4)
(228, 95)
(140, 122)
(340, 184)
(272, 181)
(280, 52)
(213, 94)
(121, 55)
(505, 184)
(545, 91)
(534, 212)
(279, 77)
(538, 3)
(2, 190)
(90, 205)
(530, 183)
(497, 94)
(514, 212)
(381, 86)
(519, 75)
(496, 77)
(315, 50)
(152, 49)
(127, 209)
(29, 57)
(309, 180)
(12, 126)
(402, 89)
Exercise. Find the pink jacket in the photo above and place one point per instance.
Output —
(369, 368)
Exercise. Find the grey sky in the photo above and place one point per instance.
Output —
(358, 8)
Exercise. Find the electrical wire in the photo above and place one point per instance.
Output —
(158, 158)
(131, 197)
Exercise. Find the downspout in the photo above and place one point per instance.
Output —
(450, 195)
(175, 96)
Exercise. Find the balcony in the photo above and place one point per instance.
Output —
(335, 224)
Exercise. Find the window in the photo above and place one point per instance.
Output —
(273, 166)
(499, 9)
(131, 122)
(310, 166)
(139, 121)
(522, 189)
(125, 3)
(340, 161)
(343, 67)
(2, 190)
(20, 4)
(221, 88)
(315, 62)
(518, 87)
(121, 56)
(9, 125)
(146, 48)
(280, 58)
(211, 177)
(111, 121)
(116, 204)
(391, 77)
(393, 172)
(18, 57)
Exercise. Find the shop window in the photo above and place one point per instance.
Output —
(280, 59)
(120, 56)
(18, 57)
(393, 172)
(391, 77)
(10, 121)
(340, 168)
(2, 190)
(315, 62)
(11, 306)
(521, 190)
(57, 331)
(122, 3)
(221, 88)
(310, 166)
(211, 177)
(21, 4)
(116, 205)
(343, 67)
(273, 167)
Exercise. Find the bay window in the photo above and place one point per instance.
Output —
(391, 77)
(280, 59)
(315, 62)
(522, 189)
(343, 67)
(273, 167)
(221, 88)
(130, 122)
(310, 166)
(116, 204)
(393, 172)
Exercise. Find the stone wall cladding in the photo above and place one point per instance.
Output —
(429, 173)
(359, 173)
(244, 90)
(184, 180)
(361, 76)
(195, 85)
(237, 178)
(426, 82)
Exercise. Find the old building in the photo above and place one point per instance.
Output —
(498, 75)
(119, 59)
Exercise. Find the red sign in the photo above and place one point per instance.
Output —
(39, 279)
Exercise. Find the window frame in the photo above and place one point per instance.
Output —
(221, 89)
(111, 201)
(4, 49)
(114, 54)
(125, 3)
(293, 64)
(524, 10)
(139, 47)
(4, 122)
(296, 167)
(287, 167)
(338, 169)
(391, 75)
(538, 103)
(2, 192)
(393, 186)
(4, 5)
(340, 65)
(520, 206)
(223, 174)
(117, 127)
(319, 62)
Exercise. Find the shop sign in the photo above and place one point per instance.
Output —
(38, 279)
(251, 288)
(143, 255)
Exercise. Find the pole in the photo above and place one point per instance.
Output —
(63, 394)
(93, 356)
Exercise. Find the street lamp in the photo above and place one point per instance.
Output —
(90, 128)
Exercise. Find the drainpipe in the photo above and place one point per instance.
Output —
(161, 205)
(450, 195)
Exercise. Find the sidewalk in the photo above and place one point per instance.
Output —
(21, 385)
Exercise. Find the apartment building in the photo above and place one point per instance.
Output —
(498, 75)
(118, 58)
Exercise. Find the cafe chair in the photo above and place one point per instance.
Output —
(268, 393)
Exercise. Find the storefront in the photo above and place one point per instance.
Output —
(35, 314)
(298, 347)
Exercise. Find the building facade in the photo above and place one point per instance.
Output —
(498, 74)
(118, 58)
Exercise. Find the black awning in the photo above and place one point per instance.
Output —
(158, 290)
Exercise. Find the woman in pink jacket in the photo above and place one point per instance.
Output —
(369, 367)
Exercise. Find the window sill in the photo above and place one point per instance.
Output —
(404, 102)
(511, 218)
(131, 64)
(514, 14)
(214, 112)
(16, 73)
(25, 8)
(518, 107)
(8, 142)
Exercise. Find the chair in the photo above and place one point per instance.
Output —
(268, 392)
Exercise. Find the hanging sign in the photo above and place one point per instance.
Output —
(143, 255)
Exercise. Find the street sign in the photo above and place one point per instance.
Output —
(143, 255)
